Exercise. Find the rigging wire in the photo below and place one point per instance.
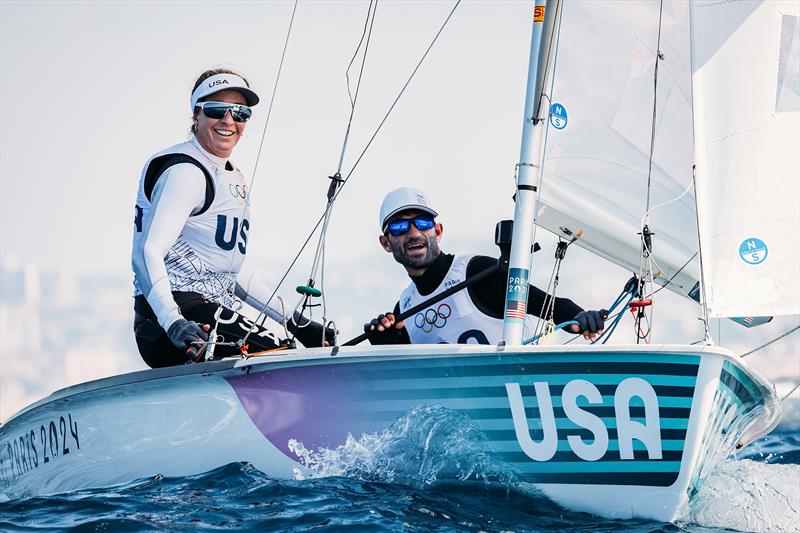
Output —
(361, 155)
(318, 264)
(791, 391)
(274, 92)
(649, 251)
(226, 288)
(659, 57)
(772, 341)
(368, 33)
(547, 314)
(776, 339)
(706, 325)
(646, 261)
(266, 121)
(675, 275)
(547, 311)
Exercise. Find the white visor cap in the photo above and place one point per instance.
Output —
(221, 82)
(404, 199)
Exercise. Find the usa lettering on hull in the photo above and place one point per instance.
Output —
(596, 447)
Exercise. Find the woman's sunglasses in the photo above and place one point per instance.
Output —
(401, 227)
(217, 110)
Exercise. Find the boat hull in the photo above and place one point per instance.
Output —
(616, 431)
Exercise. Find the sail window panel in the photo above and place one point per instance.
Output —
(787, 94)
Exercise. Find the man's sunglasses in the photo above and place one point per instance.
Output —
(217, 110)
(401, 227)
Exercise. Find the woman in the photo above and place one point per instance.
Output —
(190, 238)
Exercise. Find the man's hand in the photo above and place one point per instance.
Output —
(190, 337)
(388, 330)
(590, 323)
(383, 323)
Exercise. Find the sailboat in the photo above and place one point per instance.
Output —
(615, 430)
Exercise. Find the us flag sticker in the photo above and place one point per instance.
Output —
(516, 309)
(538, 14)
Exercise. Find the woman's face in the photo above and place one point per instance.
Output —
(219, 136)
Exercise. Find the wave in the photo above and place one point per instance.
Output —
(422, 447)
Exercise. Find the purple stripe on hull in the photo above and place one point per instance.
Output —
(303, 403)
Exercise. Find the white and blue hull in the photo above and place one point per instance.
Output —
(616, 431)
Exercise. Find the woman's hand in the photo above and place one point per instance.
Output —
(190, 337)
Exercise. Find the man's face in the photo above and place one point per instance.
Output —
(415, 249)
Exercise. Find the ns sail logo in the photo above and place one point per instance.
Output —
(753, 251)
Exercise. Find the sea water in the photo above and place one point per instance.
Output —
(427, 472)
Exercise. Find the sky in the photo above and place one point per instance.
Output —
(90, 90)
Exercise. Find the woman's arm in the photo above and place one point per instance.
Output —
(177, 193)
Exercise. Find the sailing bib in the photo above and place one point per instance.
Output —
(454, 320)
(211, 247)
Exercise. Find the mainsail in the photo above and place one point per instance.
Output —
(746, 82)
(597, 158)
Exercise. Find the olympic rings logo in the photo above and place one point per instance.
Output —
(240, 191)
(433, 318)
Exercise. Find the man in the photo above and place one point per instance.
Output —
(472, 315)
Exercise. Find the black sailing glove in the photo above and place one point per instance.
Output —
(390, 335)
(591, 322)
(309, 332)
(189, 337)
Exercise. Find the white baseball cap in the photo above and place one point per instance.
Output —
(222, 82)
(404, 199)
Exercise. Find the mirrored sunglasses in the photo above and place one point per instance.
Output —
(401, 227)
(217, 110)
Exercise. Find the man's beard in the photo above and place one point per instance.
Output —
(400, 256)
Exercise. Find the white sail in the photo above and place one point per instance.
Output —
(596, 166)
(746, 78)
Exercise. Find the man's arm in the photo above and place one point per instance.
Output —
(564, 309)
(489, 296)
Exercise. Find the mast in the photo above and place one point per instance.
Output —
(545, 17)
